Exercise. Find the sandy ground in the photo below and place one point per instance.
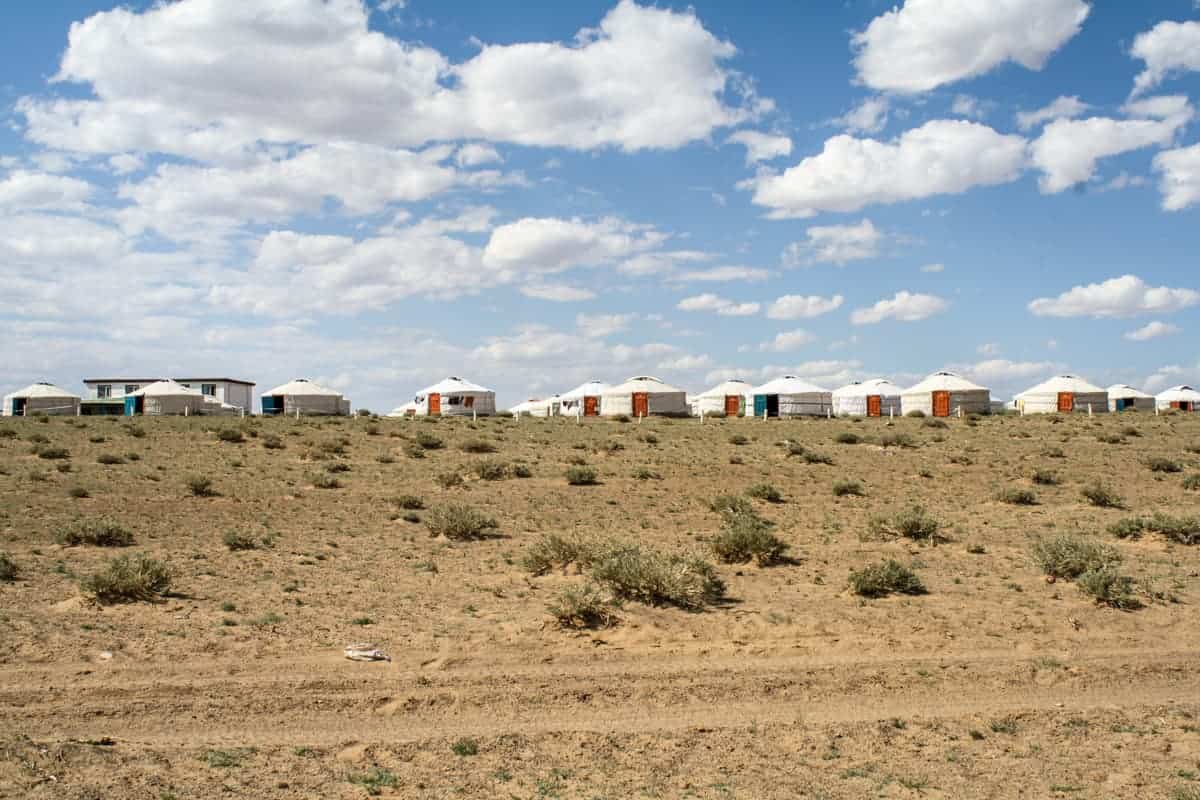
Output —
(994, 684)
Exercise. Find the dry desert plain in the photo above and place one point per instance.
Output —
(286, 540)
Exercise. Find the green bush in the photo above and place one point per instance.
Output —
(1131, 528)
(409, 502)
(272, 442)
(916, 413)
(1192, 482)
(522, 471)
(739, 439)
(1068, 556)
(448, 480)
(99, 533)
(812, 457)
(324, 480)
(622, 418)
(847, 489)
(1101, 496)
(7, 433)
(581, 476)
(1181, 530)
(913, 523)
(108, 459)
(53, 453)
(1110, 438)
(554, 549)
(896, 439)
(427, 441)
(490, 470)
(230, 436)
(646, 474)
(238, 540)
(8, 568)
(129, 578)
(1045, 477)
(886, 577)
(583, 606)
(933, 422)
(1108, 587)
(376, 779)
(656, 578)
(465, 747)
(136, 431)
(765, 491)
(1159, 464)
(731, 504)
(79, 492)
(846, 437)
(459, 523)
(1017, 497)
(747, 537)
(478, 447)
(200, 486)
(795, 450)
(414, 450)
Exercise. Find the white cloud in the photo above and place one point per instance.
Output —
(933, 268)
(685, 363)
(557, 293)
(869, 116)
(603, 325)
(1165, 376)
(660, 263)
(988, 349)
(965, 105)
(1000, 370)
(35, 191)
(1125, 296)
(761, 146)
(835, 244)
(475, 154)
(788, 341)
(1062, 108)
(721, 305)
(1067, 150)
(1167, 48)
(1152, 330)
(722, 274)
(1180, 177)
(929, 43)
(940, 157)
(125, 163)
(795, 306)
(550, 244)
(905, 307)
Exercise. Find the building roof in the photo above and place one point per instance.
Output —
(42, 389)
(945, 382)
(400, 411)
(302, 386)
(1183, 392)
(643, 383)
(726, 388)
(139, 381)
(586, 389)
(1062, 383)
(789, 384)
(216, 380)
(880, 386)
(1125, 390)
(453, 385)
(167, 388)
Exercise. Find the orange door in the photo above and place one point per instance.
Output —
(874, 405)
(1066, 402)
(733, 405)
(589, 406)
(941, 404)
(435, 405)
(641, 404)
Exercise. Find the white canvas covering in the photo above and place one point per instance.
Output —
(1060, 393)
(537, 407)
(308, 398)
(1181, 397)
(573, 403)
(712, 401)
(661, 398)
(1123, 397)
(409, 409)
(169, 398)
(457, 398)
(793, 397)
(965, 396)
(41, 398)
(852, 399)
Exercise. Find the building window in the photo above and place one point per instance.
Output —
(104, 390)
(130, 388)
(208, 389)
(454, 400)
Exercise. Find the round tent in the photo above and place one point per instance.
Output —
(583, 400)
(1062, 394)
(727, 398)
(642, 396)
(789, 396)
(41, 398)
(944, 394)
(304, 397)
(455, 397)
(877, 397)
(537, 407)
(407, 410)
(164, 398)
(1123, 397)
(1180, 398)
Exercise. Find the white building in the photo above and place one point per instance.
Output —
(945, 394)
(1062, 394)
(583, 400)
(40, 398)
(789, 396)
(642, 396)
(455, 397)
(1180, 398)
(1123, 397)
(305, 398)
(877, 397)
(730, 398)
(226, 391)
(223, 394)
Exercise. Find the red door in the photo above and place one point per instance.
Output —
(733, 405)
(435, 405)
(1066, 402)
(641, 404)
(874, 405)
(589, 406)
(941, 404)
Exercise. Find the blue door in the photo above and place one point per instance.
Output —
(130, 406)
(760, 404)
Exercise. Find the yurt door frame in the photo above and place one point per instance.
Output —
(772, 405)
(591, 406)
(435, 405)
(874, 405)
(641, 404)
(1066, 402)
(18, 406)
(941, 404)
(733, 405)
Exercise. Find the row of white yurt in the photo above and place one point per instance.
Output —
(41, 398)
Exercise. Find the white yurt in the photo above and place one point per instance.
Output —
(877, 397)
(164, 398)
(789, 396)
(1181, 398)
(643, 396)
(306, 398)
(41, 398)
(1123, 397)
(409, 409)
(729, 398)
(1062, 394)
(455, 397)
(944, 394)
(583, 400)
(537, 407)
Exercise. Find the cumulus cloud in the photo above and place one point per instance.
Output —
(940, 157)
(761, 146)
(35, 191)
(869, 116)
(557, 293)
(933, 268)
(1061, 108)
(603, 325)
(1126, 296)
(1167, 48)
(905, 307)
(928, 43)
(550, 244)
(721, 275)
(1000, 370)
(474, 154)
(835, 244)
(660, 262)
(721, 305)
(795, 306)
(788, 341)
(1152, 330)
(965, 105)
(1179, 181)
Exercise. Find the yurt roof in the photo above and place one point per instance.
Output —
(587, 389)
(400, 411)
(453, 385)
(302, 386)
(788, 384)
(643, 383)
(726, 388)
(1125, 390)
(44, 390)
(866, 388)
(167, 388)
(945, 382)
(1181, 392)
(1063, 383)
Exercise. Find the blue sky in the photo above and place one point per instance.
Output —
(379, 194)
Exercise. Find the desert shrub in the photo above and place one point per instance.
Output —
(129, 578)
(961, 460)
(739, 439)
(79, 492)
(1044, 477)
(230, 436)
(846, 437)
(896, 439)
(133, 457)
(847, 489)
(109, 459)
(622, 418)
(1159, 464)
(200, 486)
(37, 438)
(408, 502)
(555, 550)
(99, 532)
(649, 438)
(448, 480)
(765, 491)
(886, 577)
(1108, 587)
(239, 540)
(812, 457)
(372, 429)
(656, 578)
(7, 433)
(53, 453)
(324, 480)
(1101, 496)
(459, 523)
(376, 779)
(272, 442)
(522, 471)
(478, 447)
(613, 446)
(1017, 497)
(1192, 482)
(1130, 528)
(414, 450)
(912, 523)
(427, 441)
(1181, 530)
(795, 449)
(933, 422)
(465, 747)
(916, 413)
(1110, 438)
(337, 466)
(8, 568)
(731, 504)
(582, 606)
(747, 537)
(581, 476)
(385, 458)
(490, 470)
(1069, 556)
(136, 431)
(1129, 430)
(646, 474)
